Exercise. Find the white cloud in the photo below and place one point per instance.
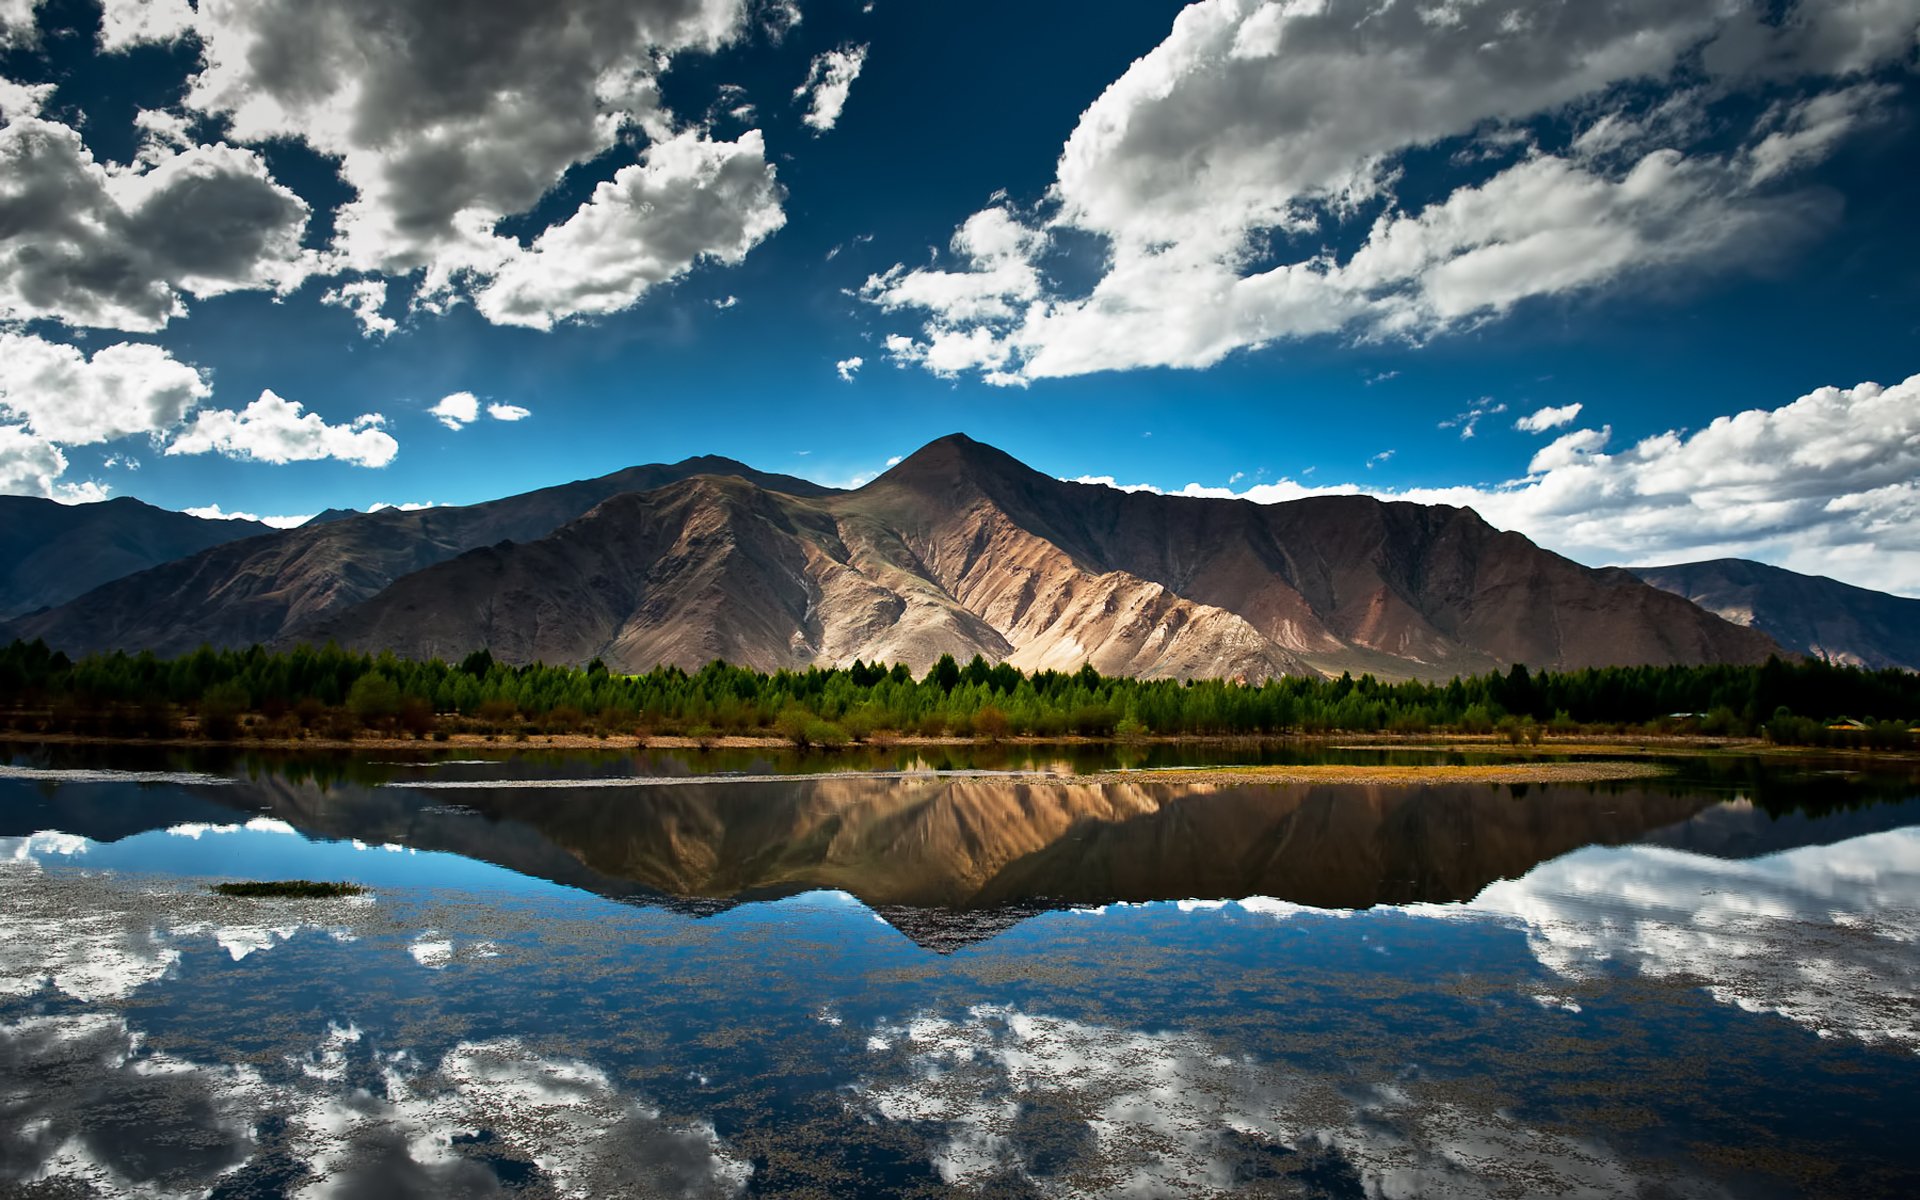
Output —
(364, 298)
(213, 512)
(1219, 167)
(29, 465)
(456, 410)
(409, 506)
(689, 199)
(1808, 131)
(444, 129)
(127, 23)
(849, 367)
(20, 100)
(463, 408)
(275, 430)
(17, 22)
(726, 302)
(896, 460)
(1828, 484)
(122, 390)
(829, 78)
(119, 248)
(1543, 419)
(1469, 420)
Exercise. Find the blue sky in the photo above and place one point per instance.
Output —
(1259, 248)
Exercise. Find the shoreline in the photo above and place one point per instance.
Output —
(1429, 742)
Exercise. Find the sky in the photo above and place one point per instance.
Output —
(1637, 278)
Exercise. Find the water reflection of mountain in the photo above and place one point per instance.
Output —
(989, 846)
(953, 860)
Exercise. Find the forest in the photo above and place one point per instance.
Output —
(333, 693)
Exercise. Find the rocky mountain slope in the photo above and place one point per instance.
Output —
(1808, 614)
(267, 589)
(959, 549)
(50, 553)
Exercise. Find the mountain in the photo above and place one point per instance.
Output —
(959, 549)
(269, 588)
(1809, 614)
(50, 552)
(962, 549)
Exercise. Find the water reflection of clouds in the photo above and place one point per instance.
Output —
(197, 829)
(94, 1107)
(1826, 936)
(1072, 1108)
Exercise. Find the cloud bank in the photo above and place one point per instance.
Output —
(1221, 176)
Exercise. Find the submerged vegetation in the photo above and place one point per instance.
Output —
(288, 889)
(332, 693)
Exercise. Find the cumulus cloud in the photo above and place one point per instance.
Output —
(18, 100)
(54, 395)
(30, 466)
(443, 129)
(128, 23)
(829, 78)
(1828, 484)
(364, 298)
(275, 430)
(463, 408)
(213, 512)
(456, 410)
(1542, 419)
(122, 390)
(688, 199)
(1218, 169)
(18, 23)
(120, 248)
(849, 367)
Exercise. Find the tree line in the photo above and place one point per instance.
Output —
(335, 692)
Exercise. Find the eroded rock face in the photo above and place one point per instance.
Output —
(958, 550)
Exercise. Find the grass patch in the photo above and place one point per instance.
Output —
(294, 889)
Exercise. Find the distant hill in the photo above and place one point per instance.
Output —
(50, 553)
(268, 589)
(1809, 614)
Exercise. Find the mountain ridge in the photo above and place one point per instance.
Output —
(1808, 614)
(958, 549)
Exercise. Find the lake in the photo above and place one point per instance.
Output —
(744, 974)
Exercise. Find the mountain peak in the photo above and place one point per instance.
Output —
(955, 458)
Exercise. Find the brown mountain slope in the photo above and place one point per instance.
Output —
(717, 568)
(50, 553)
(1810, 614)
(268, 588)
(960, 549)
(1343, 582)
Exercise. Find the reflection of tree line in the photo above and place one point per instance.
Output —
(329, 691)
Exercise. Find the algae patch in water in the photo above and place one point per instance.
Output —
(293, 889)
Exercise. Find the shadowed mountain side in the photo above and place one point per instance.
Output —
(51, 552)
(267, 588)
(1343, 582)
(716, 568)
(1808, 614)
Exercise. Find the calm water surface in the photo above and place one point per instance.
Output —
(685, 975)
